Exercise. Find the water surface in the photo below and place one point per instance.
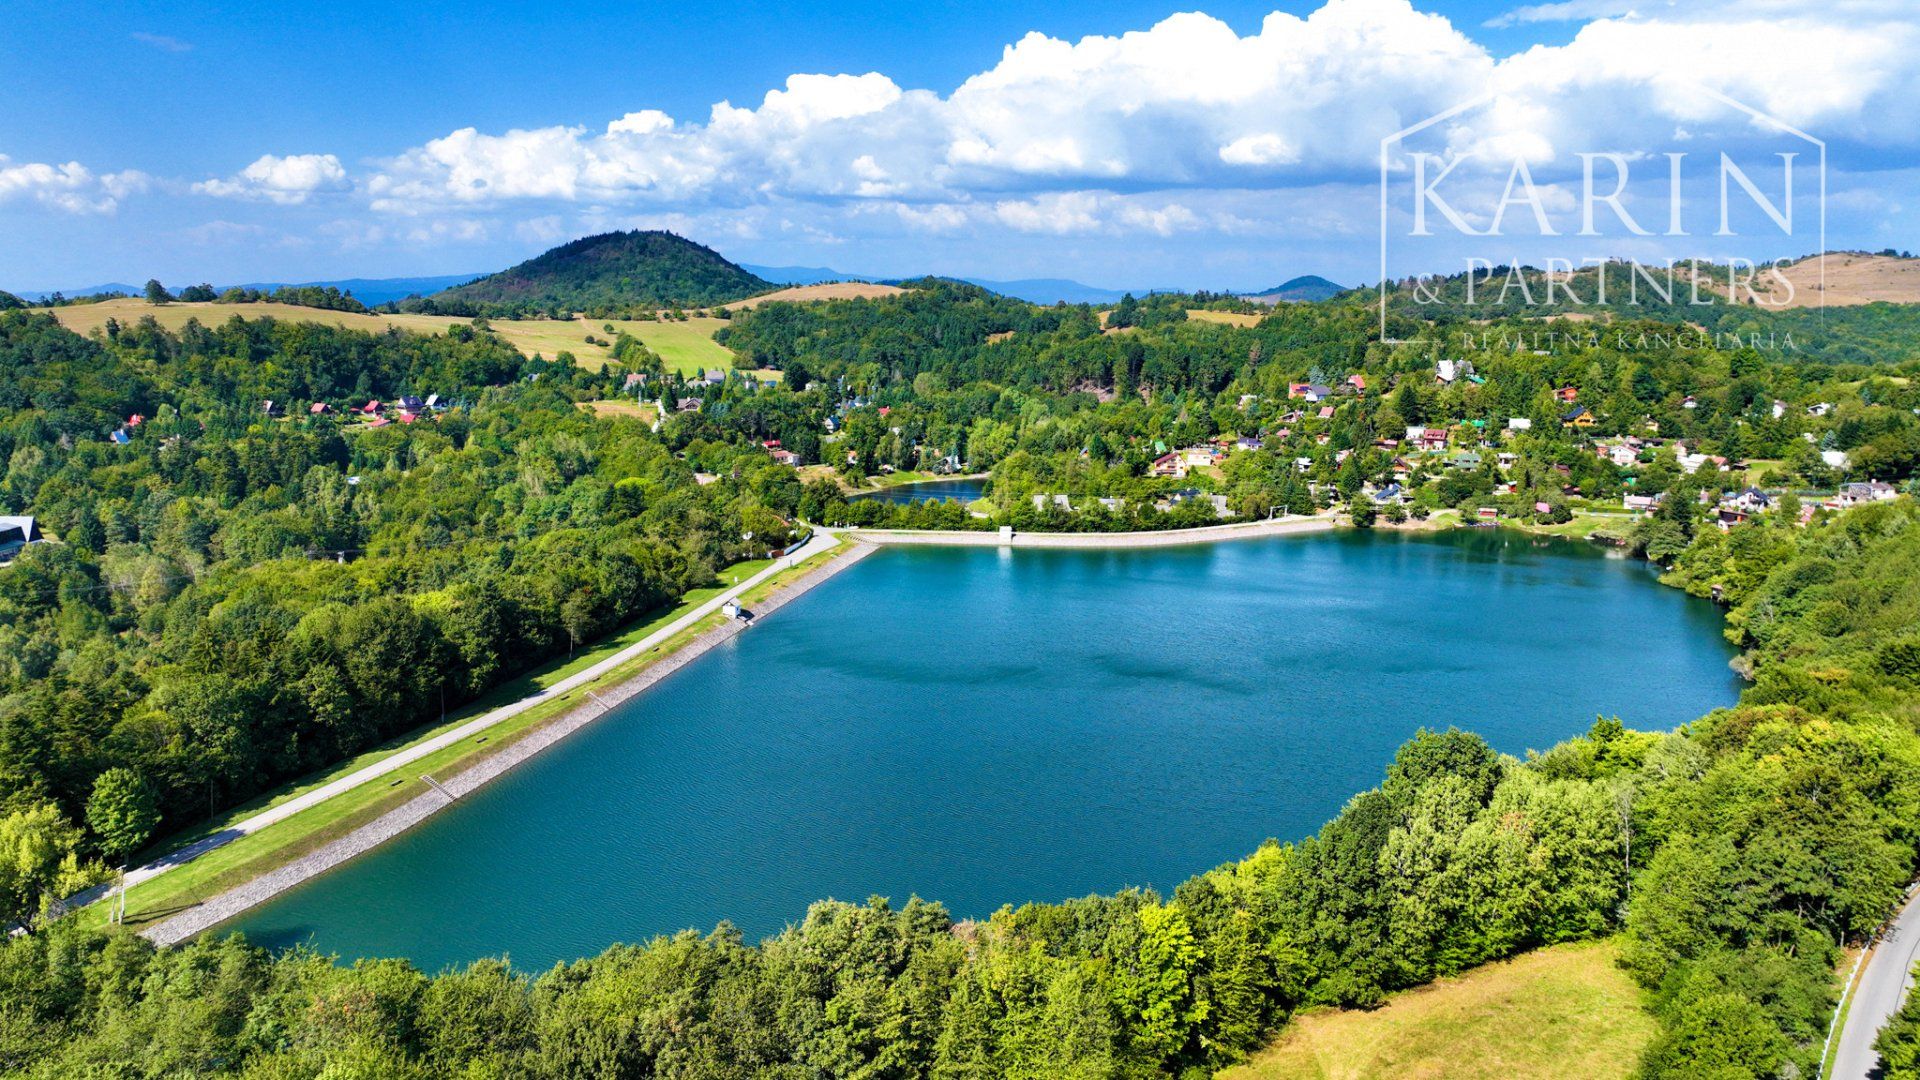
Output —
(986, 727)
(965, 490)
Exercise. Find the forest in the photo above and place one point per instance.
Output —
(239, 598)
(240, 594)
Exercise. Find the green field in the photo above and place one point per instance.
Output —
(1564, 1011)
(255, 854)
(685, 346)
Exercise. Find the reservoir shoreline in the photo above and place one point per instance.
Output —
(237, 901)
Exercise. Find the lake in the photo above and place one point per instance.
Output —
(965, 490)
(985, 727)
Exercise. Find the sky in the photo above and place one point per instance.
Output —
(1126, 144)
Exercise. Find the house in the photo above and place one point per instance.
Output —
(713, 378)
(371, 408)
(1691, 402)
(1820, 408)
(1059, 502)
(1752, 500)
(319, 408)
(1246, 442)
(378, 421)
(1519, 423)
(1848, 495)
(633, 379)
(1247, 401)
(433, 402)
(687, 404)
(1427, 438)
(1487, 513)
(1170, 465)
(1580, 417)
(1466, 459)
(1113, 505)
(731, 609)
(1326, 412)
(1311, 392)
(1197, 456)
(136, 420)
(1302, 464)
(409, 403)
(269, 408)
(1641, 503)
(786, 457)
(1779, 409)
(832, 425)
(1567, 394)
(1506, 459)
(1389, 496)
(1357, 382)
(1447, 371)
(15, 534)
(119, 437)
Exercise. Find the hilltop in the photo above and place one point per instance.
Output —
(1308, 287)
(611, 272)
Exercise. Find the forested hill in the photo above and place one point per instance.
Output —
(607, 274)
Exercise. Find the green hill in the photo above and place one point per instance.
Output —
(1301, 289)
(610, 273)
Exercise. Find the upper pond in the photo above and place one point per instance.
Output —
(964, 489)
(985, 727)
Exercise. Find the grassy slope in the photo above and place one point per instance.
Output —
(251, 856)
(685, 346)
(1565, 1011)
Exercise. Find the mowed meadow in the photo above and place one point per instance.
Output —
(1562, 1011)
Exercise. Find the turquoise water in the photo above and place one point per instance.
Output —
(985, 727)
(929, 491)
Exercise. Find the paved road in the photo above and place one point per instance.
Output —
(1885, 978)
(821, 540)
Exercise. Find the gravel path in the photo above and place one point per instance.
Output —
(210, 913)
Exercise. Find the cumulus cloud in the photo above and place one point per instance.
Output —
(71, 187)
(1184, 127)
(286, 180)
(1189, 103)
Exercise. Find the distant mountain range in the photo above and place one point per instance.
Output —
(641, 268)
(369, 291)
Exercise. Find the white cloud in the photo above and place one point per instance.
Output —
(285, 180)
(71, 187)
(162, 42)
(1189, 103)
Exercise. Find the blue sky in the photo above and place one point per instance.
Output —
(236, 142)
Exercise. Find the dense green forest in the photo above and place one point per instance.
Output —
(613, 274)
(241, 598)
(241, 594)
